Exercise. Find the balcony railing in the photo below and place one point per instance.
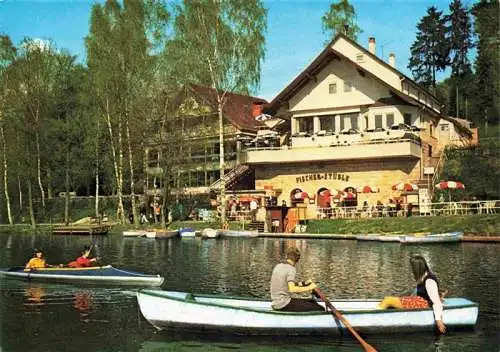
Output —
(356, 149)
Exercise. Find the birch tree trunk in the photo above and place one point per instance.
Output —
(39, 171)
(221, 163)
(66, 186)
(132, 184)
(97, 171)
(5, 176)
(117, 164)
(30, 207)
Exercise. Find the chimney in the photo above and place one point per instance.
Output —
(392, 60)
(257, 108)
(371, 45)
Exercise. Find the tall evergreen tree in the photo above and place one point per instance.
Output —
(459, 34)
(340, 18)
(487, 99)
(429, 52)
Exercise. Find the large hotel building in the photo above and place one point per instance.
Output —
(347, 121)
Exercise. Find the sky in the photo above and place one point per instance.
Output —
(294, 36)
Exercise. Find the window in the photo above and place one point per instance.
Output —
(332, 88)
(348, 121)
(378, 121)
(389, 119)
(407, 119)
(306, 124)
(360, 58)
(445, 127)
(327, 123)
(347, 86)
(430, 150)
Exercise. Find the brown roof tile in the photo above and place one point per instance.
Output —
(237, 108)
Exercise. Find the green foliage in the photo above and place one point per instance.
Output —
(340, 18)
(401, 225)
(487, 99)
(219, 44)
(477, 168)
(459, 34)
(429, 52)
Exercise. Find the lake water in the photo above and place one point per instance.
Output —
(57, 317)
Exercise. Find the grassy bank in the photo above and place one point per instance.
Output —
(435, 224)
(478, 224)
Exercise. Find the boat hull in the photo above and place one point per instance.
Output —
(134, 233)
(177, 310)
(433, 238)
(162, 234)
(236, 233)
(105, 275)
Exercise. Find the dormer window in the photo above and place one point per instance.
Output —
(332, 88)
(360, 57)
(347, 86)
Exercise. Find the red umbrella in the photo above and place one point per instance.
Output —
(348, 195)
(450, 185)
(301, 195)
(403, 186)
(367, 189)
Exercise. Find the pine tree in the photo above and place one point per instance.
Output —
(487, 100)
(429, 52)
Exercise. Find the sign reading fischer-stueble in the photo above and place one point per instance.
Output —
(322, 176)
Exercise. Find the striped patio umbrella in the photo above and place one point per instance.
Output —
(404, 186)
(450, 185)
(367, 189)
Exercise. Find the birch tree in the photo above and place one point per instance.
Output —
(7, 56)
(220, 44)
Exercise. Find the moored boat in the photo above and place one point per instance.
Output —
(433, 238)
(91, 275)
(172, 310)
(209, 233)
(162, 234)
(187, 232)
(134, 233)
(238, 233)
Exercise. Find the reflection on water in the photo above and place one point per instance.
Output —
(34, 296)
(83, 302)
(108, 319)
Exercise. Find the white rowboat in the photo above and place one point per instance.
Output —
(174, 310)
(238, 233)
(433, 238)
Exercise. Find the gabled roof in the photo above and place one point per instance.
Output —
(324, 58)
(237, 107)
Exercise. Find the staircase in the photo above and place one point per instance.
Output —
(231, 177)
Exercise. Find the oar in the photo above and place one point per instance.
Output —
(336, 314)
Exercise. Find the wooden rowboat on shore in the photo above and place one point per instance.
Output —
(181, 310)
(106, 275)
